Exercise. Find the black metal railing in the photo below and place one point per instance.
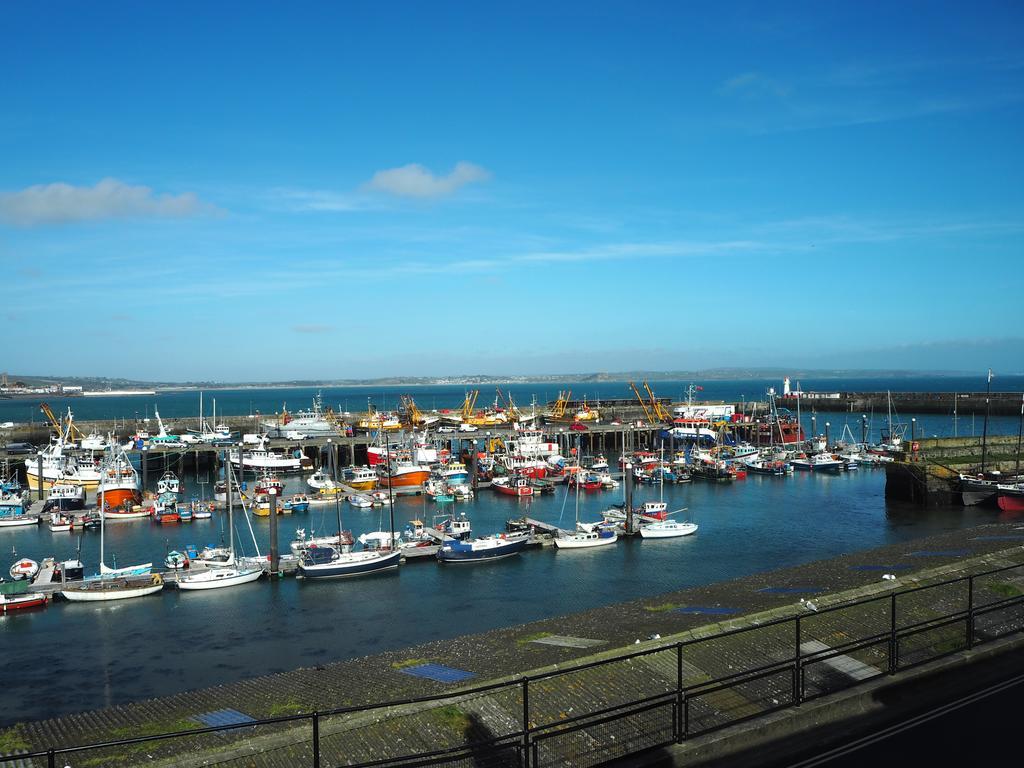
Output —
(657, 706)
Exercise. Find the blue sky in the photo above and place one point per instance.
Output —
(300, 190)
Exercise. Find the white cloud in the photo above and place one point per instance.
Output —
(61, 203)
(414, 180)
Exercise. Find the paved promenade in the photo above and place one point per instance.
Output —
(542, 645)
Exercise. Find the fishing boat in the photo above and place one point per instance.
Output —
(1010, 497)
(314, 423)
(58, 464)
(261, 457)
(361, 478)
(760, 465)
(588, 481)
(818, 462)
(120, 484)
(65, 497)
(454, 473)
(267, 481)
(404, 475)
(16, 516)
(201, 510)
(512, 485)
(298, 502)
(168, 483)
(15, 596)
(220, 491)
(319, 479)
(599, 464)
(165, 509)
(359, 501)
(60, 523)
(480, 550)
(453, 526)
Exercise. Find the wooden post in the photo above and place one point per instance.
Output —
(145, 468)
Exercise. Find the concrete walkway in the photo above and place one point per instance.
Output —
(556, 642)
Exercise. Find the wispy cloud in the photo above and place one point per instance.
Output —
(60, 203)
(298, 200)
(414, 180)
(755, 84)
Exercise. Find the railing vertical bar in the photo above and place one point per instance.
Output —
(893, 643)
(526, 725)
(798, 693)
(970, 611)
(678, 720)
(51, 758)
(316, 740)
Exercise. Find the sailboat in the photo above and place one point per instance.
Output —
(113, 583)
(586, 535)
(327, 562)
(220, 573)
(663, 527)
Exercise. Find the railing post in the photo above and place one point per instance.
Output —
(893, 661)
(970, 611)
(316, 740)
(680, 732)
(798, 678)
(526, 722)
(51, 756)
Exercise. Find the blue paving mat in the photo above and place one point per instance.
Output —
(438, 672)
(790, 590)
(713, 610)
(222, 717)
(939, 553)
(893, 567)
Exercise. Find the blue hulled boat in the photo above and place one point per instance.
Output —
(478, 550)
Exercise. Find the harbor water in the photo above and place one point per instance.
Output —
(74, 657)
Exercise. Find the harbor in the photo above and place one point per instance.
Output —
(627, 655)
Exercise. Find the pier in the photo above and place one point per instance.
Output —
(685, 677)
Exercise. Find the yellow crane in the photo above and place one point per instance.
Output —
(656, 407)
(510, 407)
(58, 425)
(558, 410)
(469, 404)
(640, 399)
(413, 413)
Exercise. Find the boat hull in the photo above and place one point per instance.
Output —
(18, 602)
(1011, 502)
(350, 566)
(584, 541)
(218, 578)
(95, 592)
(456, 553)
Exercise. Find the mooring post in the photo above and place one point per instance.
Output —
(275, 560)
(826, 435)
(330, 461)
(627, 478)
(864, 429)
(145, 469)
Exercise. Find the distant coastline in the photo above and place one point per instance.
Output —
(714, 374)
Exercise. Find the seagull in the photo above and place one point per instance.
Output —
(655, 636)
(889, 576)
(810, 606)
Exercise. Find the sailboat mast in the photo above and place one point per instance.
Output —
(391, 488)
(231, 511)
(103, 511)
(984, 431)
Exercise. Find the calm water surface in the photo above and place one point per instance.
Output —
(73, 657)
